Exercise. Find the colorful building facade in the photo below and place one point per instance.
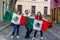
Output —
(59, 11)
(34, 6)
(55, 10)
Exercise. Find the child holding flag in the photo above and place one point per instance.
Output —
(38, 17)
(16, 26)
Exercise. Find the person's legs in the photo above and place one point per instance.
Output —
(41, 34)
(34, 35)
(27, 30)
(30, 31)
(27, 33)
(18, 28)
(14, 29)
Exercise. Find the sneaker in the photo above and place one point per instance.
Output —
(41, 38)
(18, 37)
(12, 36)
(33, 38)
(26, 37)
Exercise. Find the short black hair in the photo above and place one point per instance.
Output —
(26, 10)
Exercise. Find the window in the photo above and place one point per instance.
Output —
(20, 8)
(33, 9)
(33, 0)
(45, 10)
(45, 0)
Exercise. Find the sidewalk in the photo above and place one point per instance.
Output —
(56, 25)
(3, 23)
(55, 29)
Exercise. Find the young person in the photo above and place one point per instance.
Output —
(27, 15)
(38, 17)
(32, 15)
(16, 26)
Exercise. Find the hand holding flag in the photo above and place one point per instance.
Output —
(26, 21)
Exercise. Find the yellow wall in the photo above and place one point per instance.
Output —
(55, 13)
(0, 10)
(39, 6)
(59, 15)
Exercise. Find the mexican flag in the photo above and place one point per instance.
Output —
(14, 18)
(37, 24)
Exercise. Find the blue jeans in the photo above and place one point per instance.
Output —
(16, 28)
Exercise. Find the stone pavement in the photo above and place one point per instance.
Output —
(7, 32)
(3, 23)
(57, 25)
(56, 29)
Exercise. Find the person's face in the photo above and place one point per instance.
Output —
(39, 14)
(26, 12)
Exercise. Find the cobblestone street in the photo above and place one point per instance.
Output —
(51, 34)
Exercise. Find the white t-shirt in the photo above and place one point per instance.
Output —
(28, 15)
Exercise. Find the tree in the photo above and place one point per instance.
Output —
(12, 4)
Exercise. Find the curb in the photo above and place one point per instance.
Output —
(4, 26)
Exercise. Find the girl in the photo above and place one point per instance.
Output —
(16, 26)
(38, 17)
